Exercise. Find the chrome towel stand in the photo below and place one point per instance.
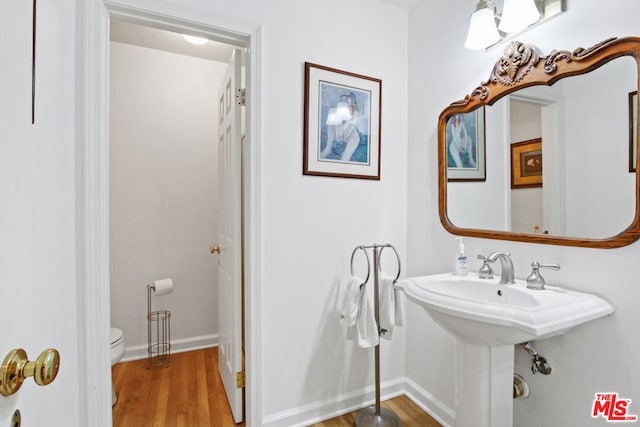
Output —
(375, 416)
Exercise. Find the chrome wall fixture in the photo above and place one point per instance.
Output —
(538, 362)
(487, 27)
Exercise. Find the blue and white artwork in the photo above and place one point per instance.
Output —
(344, 121)
(462, 141)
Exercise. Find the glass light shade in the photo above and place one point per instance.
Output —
(342, 111)
(518, 15)
(482, 30)
(194, 39)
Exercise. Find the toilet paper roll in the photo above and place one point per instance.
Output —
(163, 286)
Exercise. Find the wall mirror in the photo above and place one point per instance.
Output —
(545, 150)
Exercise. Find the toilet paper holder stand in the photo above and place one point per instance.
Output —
(158, 334)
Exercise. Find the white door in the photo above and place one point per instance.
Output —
(230, 236)
(38, 245)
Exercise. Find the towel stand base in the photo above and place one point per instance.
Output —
(368, 418)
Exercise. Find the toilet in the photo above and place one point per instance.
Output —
(117, 351)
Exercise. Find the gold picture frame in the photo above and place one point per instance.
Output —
(526, 164)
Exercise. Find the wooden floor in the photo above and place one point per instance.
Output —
(409, 413)
(189, 393)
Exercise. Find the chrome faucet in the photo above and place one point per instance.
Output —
(507, 275)
(535, 280)
(485, 272)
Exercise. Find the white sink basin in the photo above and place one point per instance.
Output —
(481, 311)
(488, 319)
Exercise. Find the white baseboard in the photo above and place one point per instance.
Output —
(333, 407)
(137, 352)
(429, 403)
(348, 402)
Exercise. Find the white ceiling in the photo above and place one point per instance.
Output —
(131, 33)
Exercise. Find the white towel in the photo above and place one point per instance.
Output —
(356, 311)
(400, 305)
(351, 302)
(367, 328)
(392, 305)
(387, 306)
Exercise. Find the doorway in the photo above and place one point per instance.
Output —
(164, 182)
(526, 203)
(538, 112)
(93, 209)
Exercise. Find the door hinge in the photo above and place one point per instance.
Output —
(240, 379)
(241, 97)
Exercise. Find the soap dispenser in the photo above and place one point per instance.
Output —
(461, 267)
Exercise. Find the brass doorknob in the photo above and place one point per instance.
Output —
(16, 368)
(214, 249)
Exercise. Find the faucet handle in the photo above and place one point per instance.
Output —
(555, 267)
(535, 280)
(485, 272)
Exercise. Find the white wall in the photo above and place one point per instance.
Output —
(311, 224)
(163, 196)
(602, 355)
(591, 174)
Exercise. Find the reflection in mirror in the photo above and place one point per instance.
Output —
(584, 191)
(465, 139)
(590, 115)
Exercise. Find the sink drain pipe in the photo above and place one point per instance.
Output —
(520, 387)
(538, 363)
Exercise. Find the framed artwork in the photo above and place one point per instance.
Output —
(633, 130)
(465, 138)
(342, 115)
(526, 164)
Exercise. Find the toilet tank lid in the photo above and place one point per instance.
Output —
(116, 335)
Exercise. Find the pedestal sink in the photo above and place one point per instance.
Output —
(488, 319)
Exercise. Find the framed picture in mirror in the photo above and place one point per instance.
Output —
(633, 129)
(465, 135)
(526, 164)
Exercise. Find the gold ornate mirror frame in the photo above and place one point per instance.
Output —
(522, 66)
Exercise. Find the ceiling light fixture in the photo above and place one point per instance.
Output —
(517, 16)
(482, 28)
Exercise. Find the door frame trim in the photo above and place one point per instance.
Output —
(92, 208)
